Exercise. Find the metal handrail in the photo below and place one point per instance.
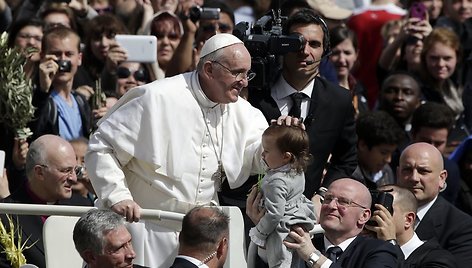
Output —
(34, 209)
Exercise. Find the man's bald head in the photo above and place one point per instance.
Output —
(422, 171)
(43, 148)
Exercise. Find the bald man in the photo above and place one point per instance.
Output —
(399, 227)
(50, 168)
(422, 171)
(344, 212)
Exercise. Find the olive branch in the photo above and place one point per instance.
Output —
(16, 108)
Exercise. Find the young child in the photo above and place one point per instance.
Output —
(286, 155)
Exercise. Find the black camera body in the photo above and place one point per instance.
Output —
(197, 13)
(383, 198)
(64, 65)
(265, 43)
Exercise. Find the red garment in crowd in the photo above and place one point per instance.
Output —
(367, 24)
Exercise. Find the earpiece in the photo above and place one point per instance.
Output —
(326, 38)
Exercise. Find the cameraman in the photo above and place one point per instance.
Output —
(60, 111)
(399, 229)
(327, 108)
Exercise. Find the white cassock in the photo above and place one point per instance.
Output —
(155, 148)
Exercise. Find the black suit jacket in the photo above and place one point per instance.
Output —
(31, 227)
(330, 126)
(430, 255)
(182, 263)
(451, 227)
(365, 252)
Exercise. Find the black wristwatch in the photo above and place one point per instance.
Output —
(393, 242)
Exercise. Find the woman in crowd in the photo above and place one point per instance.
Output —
(130, 75)
(168, 30)
(27, 35)
(102, 54)
(403, 53)
(439, 58)
(344, 56)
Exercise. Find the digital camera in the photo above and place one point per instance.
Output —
(64, 65)
(383, 198)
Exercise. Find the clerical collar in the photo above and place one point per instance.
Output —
(34, 198)
(202, 99)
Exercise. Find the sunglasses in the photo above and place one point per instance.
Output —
(222, 27)
(139, 75)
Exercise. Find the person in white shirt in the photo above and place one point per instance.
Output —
(203, 239)
(169, 145)
(399, 229)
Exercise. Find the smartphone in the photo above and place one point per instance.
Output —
(140, 48)
(418, 10)
(2, 161)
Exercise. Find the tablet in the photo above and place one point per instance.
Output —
(140, 48)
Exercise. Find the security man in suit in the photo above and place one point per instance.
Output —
(422, 171)
(399, 228)
(344, 212)
(203, 239)
(326, 108)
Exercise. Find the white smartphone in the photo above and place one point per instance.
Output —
(140, 48)
(2, 161)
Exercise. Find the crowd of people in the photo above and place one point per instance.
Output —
(377, 98)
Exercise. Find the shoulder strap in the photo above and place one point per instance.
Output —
(51, 111)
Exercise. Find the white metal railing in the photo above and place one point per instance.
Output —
(33, 209)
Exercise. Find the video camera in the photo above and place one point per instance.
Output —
(197, 13)
(265, 43)
(65, 66)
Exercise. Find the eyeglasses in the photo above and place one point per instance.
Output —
(238, 75)
(139, 75)
(341, 201)
(222, 28)
(67, 170)
(29, 36)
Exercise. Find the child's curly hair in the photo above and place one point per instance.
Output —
(294, 140)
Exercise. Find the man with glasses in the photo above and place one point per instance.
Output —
(344, 212)
(170, 144)
(50, 170)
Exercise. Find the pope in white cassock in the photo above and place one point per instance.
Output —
(169, 144)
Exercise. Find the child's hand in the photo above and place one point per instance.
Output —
(253, 210)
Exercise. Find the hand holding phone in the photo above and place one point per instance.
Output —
(418, 10)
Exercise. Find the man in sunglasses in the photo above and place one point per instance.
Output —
(344, 212)
(170, 145)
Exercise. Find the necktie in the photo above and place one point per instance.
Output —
(297, 98)
(333, 253)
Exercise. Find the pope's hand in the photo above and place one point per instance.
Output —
(129, 209)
